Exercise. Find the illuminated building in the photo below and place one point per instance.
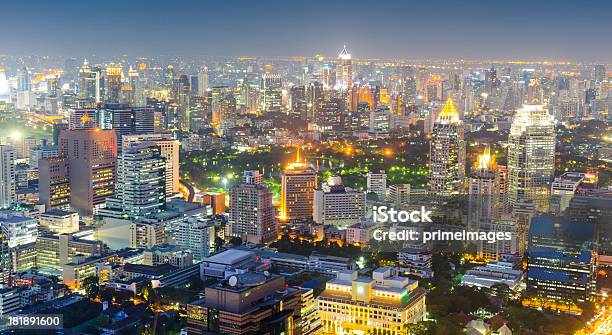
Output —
(344, 71)
(4, 87)
(53, 251)
(59, 221)
(133, 91)
(54, 182)
(271, 92)
(297, 190)
(399, 194)
(447, 153)
(89, 83)
(203, 81)
(146, 234)
(7, 176)
(197, 236)
(383, 304)
(169, 149)
(113, 82)
(337, 204)
(167, 254)
(493, 273)
(377, 183)
(561, 264)
(310, 323)
(251, 211)
(314, 98)
(483, 190)
(248, 303)
(180, 94)
(91, 156)
(329, 115)
(326, 77)
(140, 189)
(298, 102)
(18, 230)
(531, 156)
(124, 119)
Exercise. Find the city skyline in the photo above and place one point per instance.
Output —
(560, 31)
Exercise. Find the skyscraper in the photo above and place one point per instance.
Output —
(531, 156)
(141, 185)
(344, 71)
(447, 153)
(377, 183)
(91, 156)
(169, 149)
(203, 81)
(251, 211)
(337, 204)
(271, 92)
(7, 176)
(113, 79)
(297, 190)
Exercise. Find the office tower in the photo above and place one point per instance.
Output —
(327, 77)
(7, 176)
(88, 82)
(251, 211)
(344, 71)
(24, 83)
(120, 117)
(5, 95)
(329, 115)
(5, 261)
(447, 153)
(169, 149)
(310, 323)
(377, 183)
(484, 190)
(57, 221)
(133, 90)
(203, 81)
(114, 82)
(233, 306)
(297, 190)
(41, 152)
(54, 182)
(531, 156)
(271, 93)
(18, 230)
(386, 303)
(197, 236)
(298, 102)
(140, 187)
(561, 264)
(314, 99)
(380, 121)
(91, 156)
(336, 204)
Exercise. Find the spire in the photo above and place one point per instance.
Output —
(298, 158)
(298, 163)
(344, 54)
(449, 112)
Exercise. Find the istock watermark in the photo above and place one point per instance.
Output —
(384, 214)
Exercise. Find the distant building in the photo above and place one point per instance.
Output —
(493, 273)
(297, 191)
(251, 210)
(59, 221)
(7, 176)
(377, 183)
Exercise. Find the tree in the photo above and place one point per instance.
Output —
(236, 241)
(92, 286)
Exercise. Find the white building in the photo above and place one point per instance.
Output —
(338, 205)
(59, 221)
(491, 274)
(19, 230)
(563, 189)
(197, 236)
(399, 194)
(10, 300)
(377, 183)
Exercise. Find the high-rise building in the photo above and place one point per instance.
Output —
(297, 190)
(19, 230)
(123, 119)
(298, 102)
(196, 235)
(271, 93)
(141, 186)
(251, 211)
(447, 153)
(383, 304)
(377, 183)
(531, 156)
(314, 99)
(203, 81)
(561, 264)
(7, 176)
(344, 71)
(563, 189)
(88, 83)
(169, 149)
(91, 156)
(114, 72)
(484, 190)
(336, 204)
